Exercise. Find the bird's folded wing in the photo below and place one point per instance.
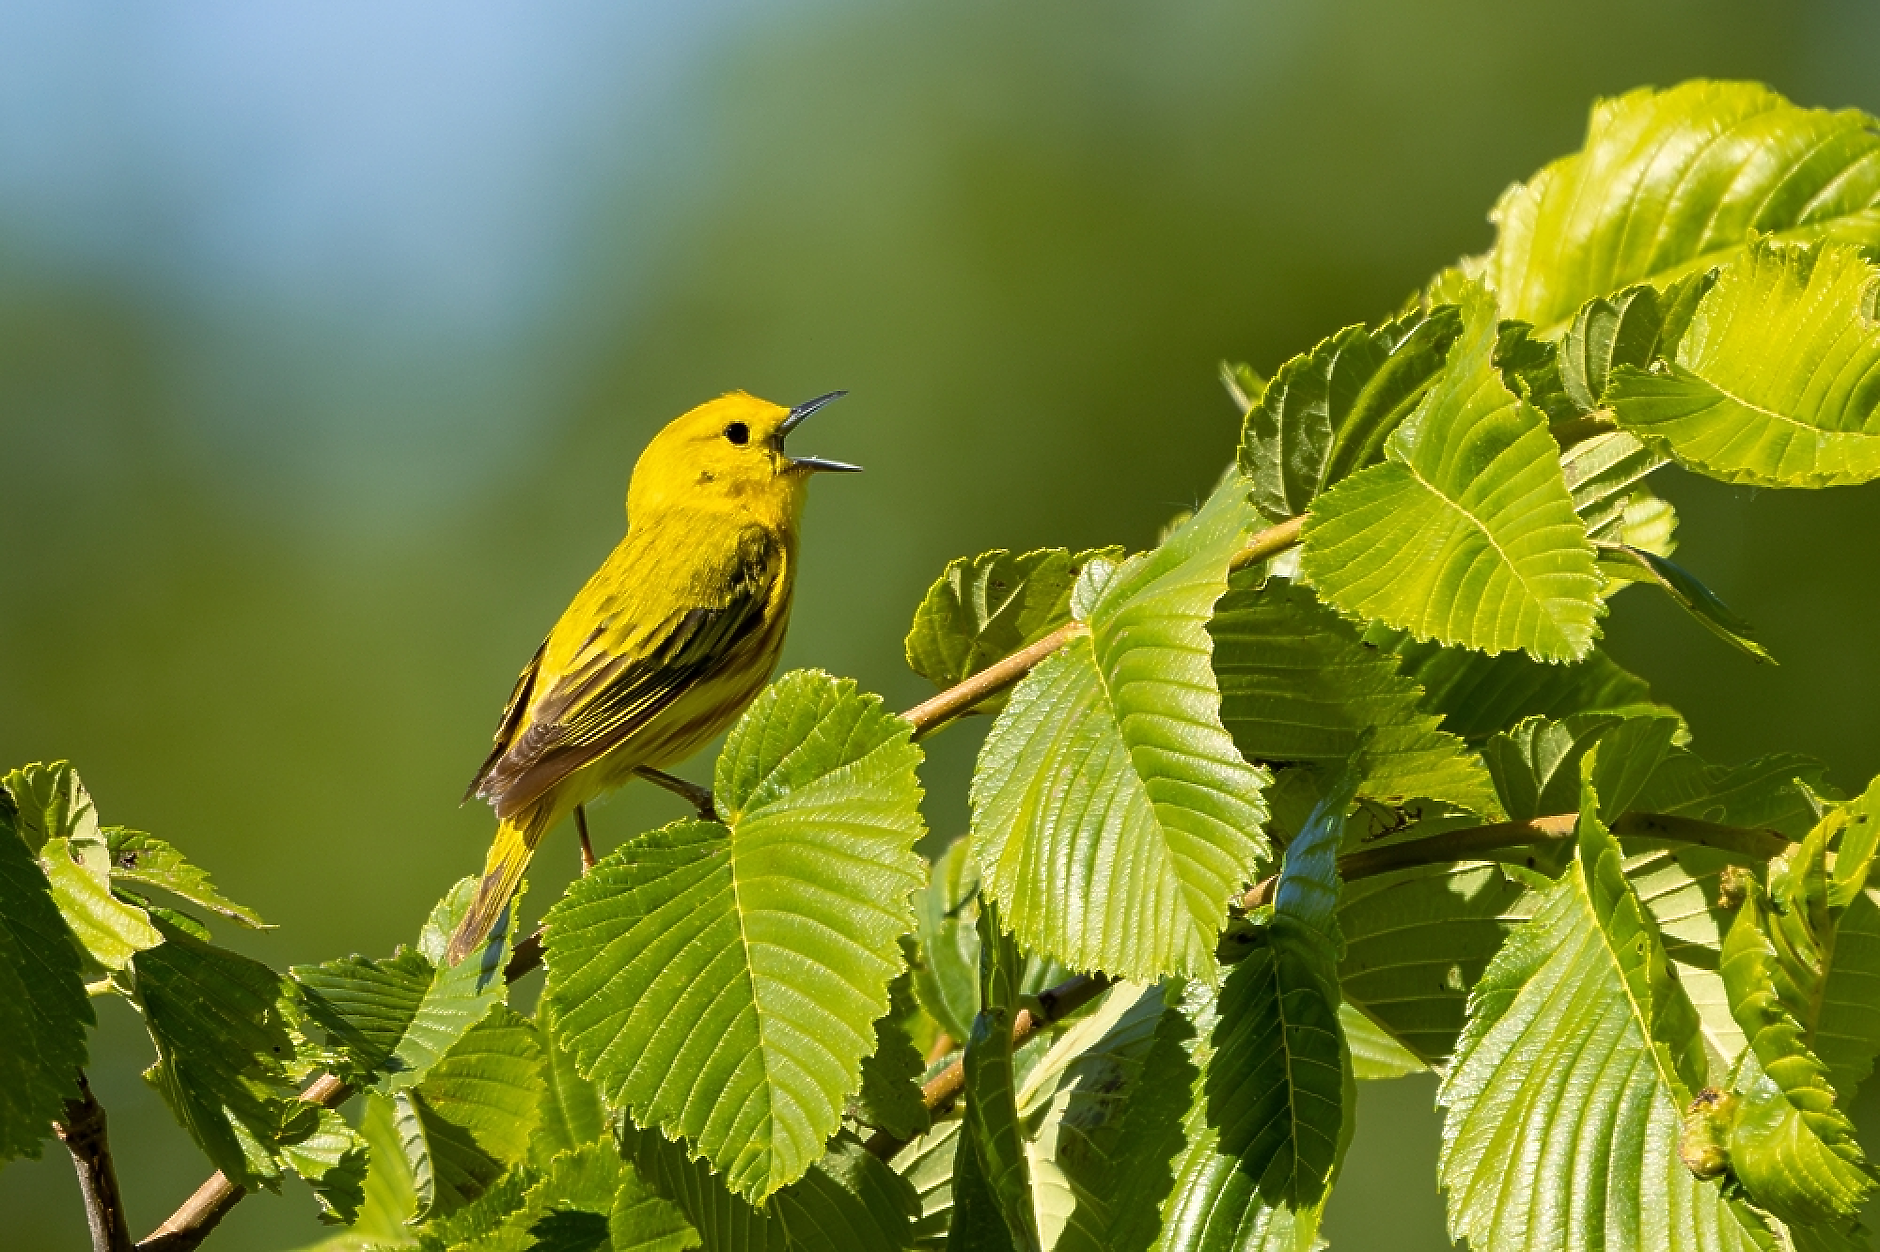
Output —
(605, 697)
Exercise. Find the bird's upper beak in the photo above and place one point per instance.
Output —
(811, 464)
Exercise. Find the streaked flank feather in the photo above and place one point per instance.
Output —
(666, 644)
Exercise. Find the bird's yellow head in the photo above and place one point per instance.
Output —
(728, 454)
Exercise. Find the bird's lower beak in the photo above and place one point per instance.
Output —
(812, 464)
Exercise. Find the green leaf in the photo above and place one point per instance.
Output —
(986, 607)
(1759, 792)
(723, 981)
(1375, 1054)
(390, 1200)
(890, 1098)
(1327, 412)
(1603, 475)
(927, 1165)
(1466, 533)
(1298, 685)
(474, 1113)
(1777, 382)
(1536, 765)
(50, 802)
(140, 858)
(1620, 329)
(392, 1020)
(847, 1200)
(1070, 1109)
(1530, 368)
(990, 1143)
(111, 931)
(221, 1028)
(1687, 593)
(1113, 818)
(1244, 1106)
(1416, 942)
(1479, 695)
(44, 1012)
(1789, 1143)
(572, 1112)
(1672, 182)
(1580, 1000)
(946, 978)
(55, 816)
(334, 1161)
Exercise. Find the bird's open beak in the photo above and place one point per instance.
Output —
(812, 464)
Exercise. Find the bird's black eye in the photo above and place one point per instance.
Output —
(738, 433)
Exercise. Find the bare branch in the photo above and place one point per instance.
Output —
(83, 1134)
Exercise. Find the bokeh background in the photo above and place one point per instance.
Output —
(329, 333)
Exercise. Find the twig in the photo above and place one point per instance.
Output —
(1472, 842)
(930, 715)
(943, 1089)
(83, 1134)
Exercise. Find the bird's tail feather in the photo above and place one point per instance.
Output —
(516, 838)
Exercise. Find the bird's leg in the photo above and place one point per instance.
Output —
(698, 797)
(587, 846)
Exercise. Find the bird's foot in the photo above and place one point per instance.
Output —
(698, 797)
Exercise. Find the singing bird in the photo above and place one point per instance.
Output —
(667, 643)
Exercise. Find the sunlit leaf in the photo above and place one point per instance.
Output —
(1536, 764)
(1580, 1000)
(1759, 792)
(140, 858)
(1603, 474)
(1777, 382)
(572, 1112)
(1113, 817)
(1298, 685)
(44, 1012)
(723, 980)
(1789, 1142)
(1245, 1103)
(474, 1113)
(1466, 533)
(392, 1020)
(947, 976)
(333, 1160)
(990, 1141)
(1375, 1054)
(1326, 413)
(985, 607)
(1672, 182)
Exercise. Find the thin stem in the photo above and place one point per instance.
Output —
(942, 1090)
(83, 1134)
(587, 844)
(929, 715)
(1474, 842)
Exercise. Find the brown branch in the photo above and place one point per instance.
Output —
(942, 1090)
(1474, 842)
(83, 1134)
(930, 715)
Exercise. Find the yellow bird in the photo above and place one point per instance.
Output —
(671, 638)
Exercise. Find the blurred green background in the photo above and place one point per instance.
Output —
(329, 333)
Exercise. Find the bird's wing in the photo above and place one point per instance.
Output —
(512, 718)
(604, 697)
